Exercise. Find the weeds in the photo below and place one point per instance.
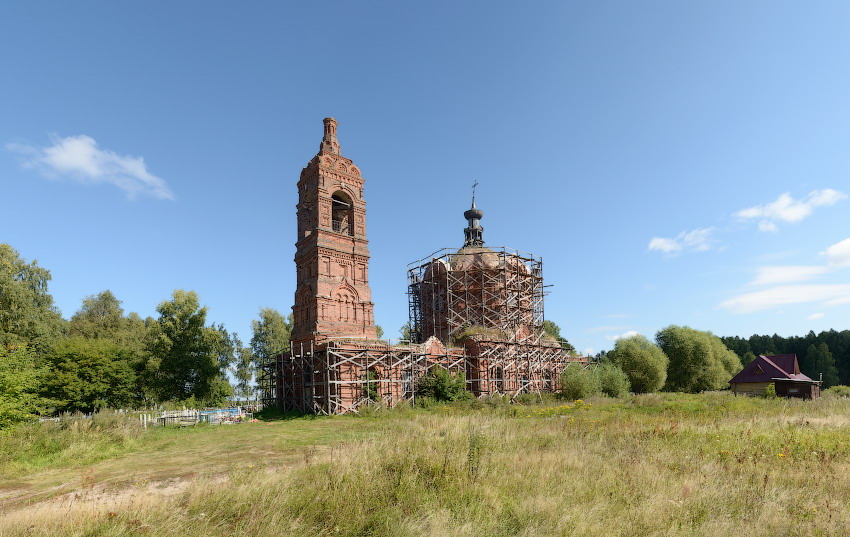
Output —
(667, 464)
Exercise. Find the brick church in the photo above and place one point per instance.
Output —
(476, 311)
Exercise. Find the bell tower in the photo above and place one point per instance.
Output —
(332, 297)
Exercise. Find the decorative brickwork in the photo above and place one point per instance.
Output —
(332, 297)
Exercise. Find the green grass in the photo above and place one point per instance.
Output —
(667, 464)
(42, 460)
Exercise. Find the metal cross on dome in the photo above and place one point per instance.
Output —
(475, 184)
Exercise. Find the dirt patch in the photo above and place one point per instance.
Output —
(101, 498)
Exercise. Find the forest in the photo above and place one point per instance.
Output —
(826, 353)
(103, 357)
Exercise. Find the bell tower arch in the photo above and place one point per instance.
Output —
(332, 296)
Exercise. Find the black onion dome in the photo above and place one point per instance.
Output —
(473, 214)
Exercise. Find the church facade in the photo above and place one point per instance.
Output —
(475, 311)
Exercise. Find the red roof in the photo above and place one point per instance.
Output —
(767, 368)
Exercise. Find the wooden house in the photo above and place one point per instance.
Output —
(781, 370)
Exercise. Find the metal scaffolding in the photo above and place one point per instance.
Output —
(475, 311)
(498, 289)
(342, 376)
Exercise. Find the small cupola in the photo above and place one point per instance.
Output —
(474, 233)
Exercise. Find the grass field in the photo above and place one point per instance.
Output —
(669, 464)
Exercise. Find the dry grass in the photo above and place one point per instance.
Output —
(652, 465)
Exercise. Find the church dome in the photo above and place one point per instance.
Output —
(474, 213)
(435, 269)
(483, 258)
(474, 258)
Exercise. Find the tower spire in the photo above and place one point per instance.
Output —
(329, 142)
(474, 233)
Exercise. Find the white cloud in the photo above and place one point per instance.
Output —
(787, 274)
(698, 240)
(629, 333)
(80, 159)
(787, 209)
(590, 351)
(816, 316)
(838, 255)
(826, 294)
(664, 245)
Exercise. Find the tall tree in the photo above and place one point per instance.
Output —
(225, 346)
(185, 355)
(698, 360)
(737, 344)
(554, 331)
(405, 332)
(820, 361)
(100, 316)
(27, 314)
(271, 335)
(87, 375)
(21, 381)
(764, 345)
(244, 371)
(644, 363)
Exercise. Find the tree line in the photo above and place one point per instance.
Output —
(681, 359)
(827, 353)
(688, 360)
(103, 357)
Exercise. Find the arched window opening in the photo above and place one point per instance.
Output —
(342, 213)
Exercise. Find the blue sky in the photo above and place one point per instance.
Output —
(671, 162)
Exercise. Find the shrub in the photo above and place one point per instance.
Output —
(613, 381)
(578, 382)
(442, 386)
(838, 391)
(770, 391)
(644, 363)
(533, 398)
(370, 388)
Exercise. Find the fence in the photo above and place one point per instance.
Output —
(184, 417)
